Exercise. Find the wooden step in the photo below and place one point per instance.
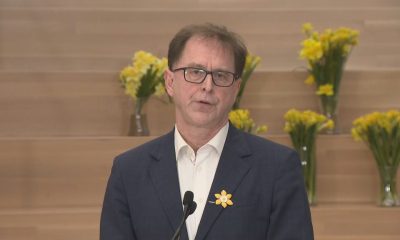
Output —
(274, 33)
(71, 104)
(94, 104)
(355, 221)
(50, 224)
(57, 171)
(72, 172)
(194, 4)
(56, 64)
(62, 104)
(331, 222)
(358, 237)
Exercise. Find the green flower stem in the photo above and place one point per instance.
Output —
(304, 141)
(138, 119)
(388, 188)
(329, 71)
(148, 84)
(245, 77)
(381, 132)
(387, 156)
(329, 108)
(139, 103)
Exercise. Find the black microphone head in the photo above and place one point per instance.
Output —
(192, 208)
(188, 198)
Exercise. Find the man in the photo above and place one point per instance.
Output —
(245, 187)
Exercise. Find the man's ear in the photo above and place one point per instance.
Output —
(169, 81)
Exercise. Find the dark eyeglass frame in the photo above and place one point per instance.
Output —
(235, 76)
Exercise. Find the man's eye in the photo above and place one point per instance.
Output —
(222, 75)
(196, 71)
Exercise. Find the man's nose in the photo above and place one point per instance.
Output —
(208, 83)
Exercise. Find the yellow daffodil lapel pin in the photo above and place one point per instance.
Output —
(223, 199)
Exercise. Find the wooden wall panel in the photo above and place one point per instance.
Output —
(94, 104)
(274, 34)
(72, 172)
(194, 4)
(52, 188)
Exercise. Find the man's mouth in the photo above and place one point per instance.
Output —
(204, 102)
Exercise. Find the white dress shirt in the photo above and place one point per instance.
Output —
(196, 172)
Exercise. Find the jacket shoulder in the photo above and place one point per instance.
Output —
(143, 153)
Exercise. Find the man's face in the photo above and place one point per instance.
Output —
(203, 105)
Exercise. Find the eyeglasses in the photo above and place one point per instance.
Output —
(198, 75)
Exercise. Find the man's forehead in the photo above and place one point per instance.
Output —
(196, 41)
(208, 40)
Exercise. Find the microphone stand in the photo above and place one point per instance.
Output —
(189, 206)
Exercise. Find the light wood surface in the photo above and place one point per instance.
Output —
(331, 222)
(195, 4)
(63, 113)
(94, 104)
(72, 172)
(273, 33)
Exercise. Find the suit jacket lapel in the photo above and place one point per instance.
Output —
(164, 175)
(232, 168)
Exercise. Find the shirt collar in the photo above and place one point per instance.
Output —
(217, 142)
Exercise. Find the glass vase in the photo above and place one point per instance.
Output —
(138, 121)
(388, 189)
(328, 105)
(306, 150)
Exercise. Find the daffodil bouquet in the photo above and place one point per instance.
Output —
(381, 132)
(145, 76)
(251, 63)
(141, 80)
(326, 54)
(240, 118)
(303, 128)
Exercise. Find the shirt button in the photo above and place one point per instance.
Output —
(199, 169)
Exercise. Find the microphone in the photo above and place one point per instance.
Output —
(189, 206)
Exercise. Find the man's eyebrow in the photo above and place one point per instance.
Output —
(197, 65)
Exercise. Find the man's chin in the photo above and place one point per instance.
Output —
(201, 119)
(206, 121)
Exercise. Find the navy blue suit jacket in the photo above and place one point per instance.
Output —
(143, 199)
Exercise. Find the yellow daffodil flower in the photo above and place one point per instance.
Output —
(381, 132)
(326, 89)
(240, 118)
(296, 120)
(310, 80)
(326, 53)
(312, 50)
(307, 28)
(223, 199)
(145, 76)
